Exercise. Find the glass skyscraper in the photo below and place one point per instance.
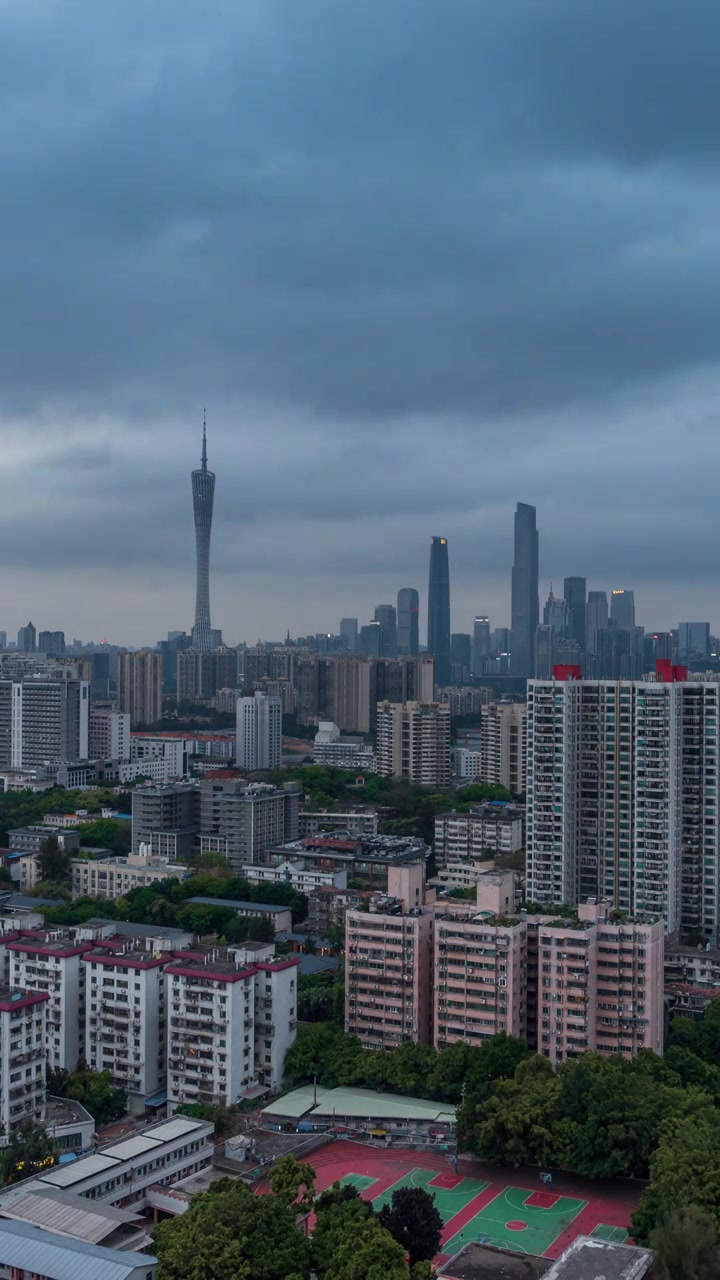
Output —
(439, 609)
(525, 601)
(408, 618)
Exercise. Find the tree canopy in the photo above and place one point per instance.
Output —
(412, 1220)
(29, 1150)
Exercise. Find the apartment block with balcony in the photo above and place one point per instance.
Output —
(413, 742)
(22, 1055)
(503, 745)
(623, 783)
(388, 964)
(495, 827)
(51, 964)
(480, 968)
(600, 978)
(125, 1031)
(114, 877)
(211, 1032)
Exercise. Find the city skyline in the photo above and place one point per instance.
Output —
(510, 331)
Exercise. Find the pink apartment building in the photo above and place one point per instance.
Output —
(388, 963)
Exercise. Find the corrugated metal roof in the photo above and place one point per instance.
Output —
(33, 1250)
(175, 1128)
(68, 1214)
(79, 1170)
(363, 1104)
(132, 1147)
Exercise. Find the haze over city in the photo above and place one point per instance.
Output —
(418, 264)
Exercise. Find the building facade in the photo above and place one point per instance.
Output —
(125, 1025)
(503, 745)
(244, 820)
(140, 686)
(489, 828)
(408, 621)
(438, 635)
(109, 734)
(333, 751)
(525, 599)
(413, 742)
(166, 819)
(22, 1055)
(259, 733)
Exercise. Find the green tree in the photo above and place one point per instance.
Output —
(29, 1150)
(107, 833)
(95, 1091)
(684, 1170)
(53, 862)
(289, 1177)
(369, 1253)
(340, 1214)
(230, 1232)
(413, 1220)
(687, 1246)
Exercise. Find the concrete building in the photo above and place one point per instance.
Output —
(244, 820)
(296, 874)
(368, 859)
(279, 916)
(467, 764)
(125, 1025)
(388, 969)
(347, 821)
(50, 964)
(114, 877)
(200, 673)
(231, 1018)
(335, 752)
(622, 795)
(503, 745)
(43, 721)
(259, 733)
(140, 686)
(30, 839)
(600, 984)
(413, 742)
(166, 819)
(479, 983)
(22, 1055)
(109, 735)
(495, 828)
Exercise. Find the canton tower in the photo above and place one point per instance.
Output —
(203, 491)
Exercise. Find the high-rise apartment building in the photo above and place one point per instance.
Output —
(349, 633)
(386, 615)
(596, 619)
(389, 964)
(525, 601)
(438, 641)
(481, 643)
(503, 745)
(346, 690)
(622, 787)
(52, 966)
(125, 1023)
(140, 686)
(546, 646)
(109, 734)
(413, 742)
(622, 607)
(203, 492)
(408, 621)
(576, 602)
(200, 673)
(371, 640)
(43, 721)
(259, 733)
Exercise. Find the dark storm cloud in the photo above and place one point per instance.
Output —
(419, 259)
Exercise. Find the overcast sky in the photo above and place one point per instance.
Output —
(420, 259)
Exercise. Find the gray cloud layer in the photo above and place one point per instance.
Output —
(420, 260)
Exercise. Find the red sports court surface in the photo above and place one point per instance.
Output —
(524, 1218)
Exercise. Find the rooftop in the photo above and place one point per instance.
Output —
(29, 1249)
(364, 1103)
(259, 908)
(588, 1258)
(482, 1262)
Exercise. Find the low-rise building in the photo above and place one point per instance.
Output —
(495, 828)
(467, 764)
(280, 916)
(30, 839)
(367, 859)
(114, 877)
(692, 978)
(45, 1255)
(331, 750)
(343, 821)
(297, 875)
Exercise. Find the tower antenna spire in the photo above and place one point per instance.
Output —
(204, 448)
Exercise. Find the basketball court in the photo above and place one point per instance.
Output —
(531, 1219)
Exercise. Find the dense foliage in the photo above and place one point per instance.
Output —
(412, 1220)
(29, 1150)
(94, 1090)
(167, 904)
(24, 808)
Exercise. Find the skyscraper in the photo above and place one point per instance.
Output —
(140, 686)
(622, 607)
(481, 643)
(408, 618)
(575, 600)
(203, 491)
(385, 614)
(439, 609)
(525, 602)
(596, 618)
(349, 631)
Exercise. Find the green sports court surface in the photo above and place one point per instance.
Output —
(510, 1222)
